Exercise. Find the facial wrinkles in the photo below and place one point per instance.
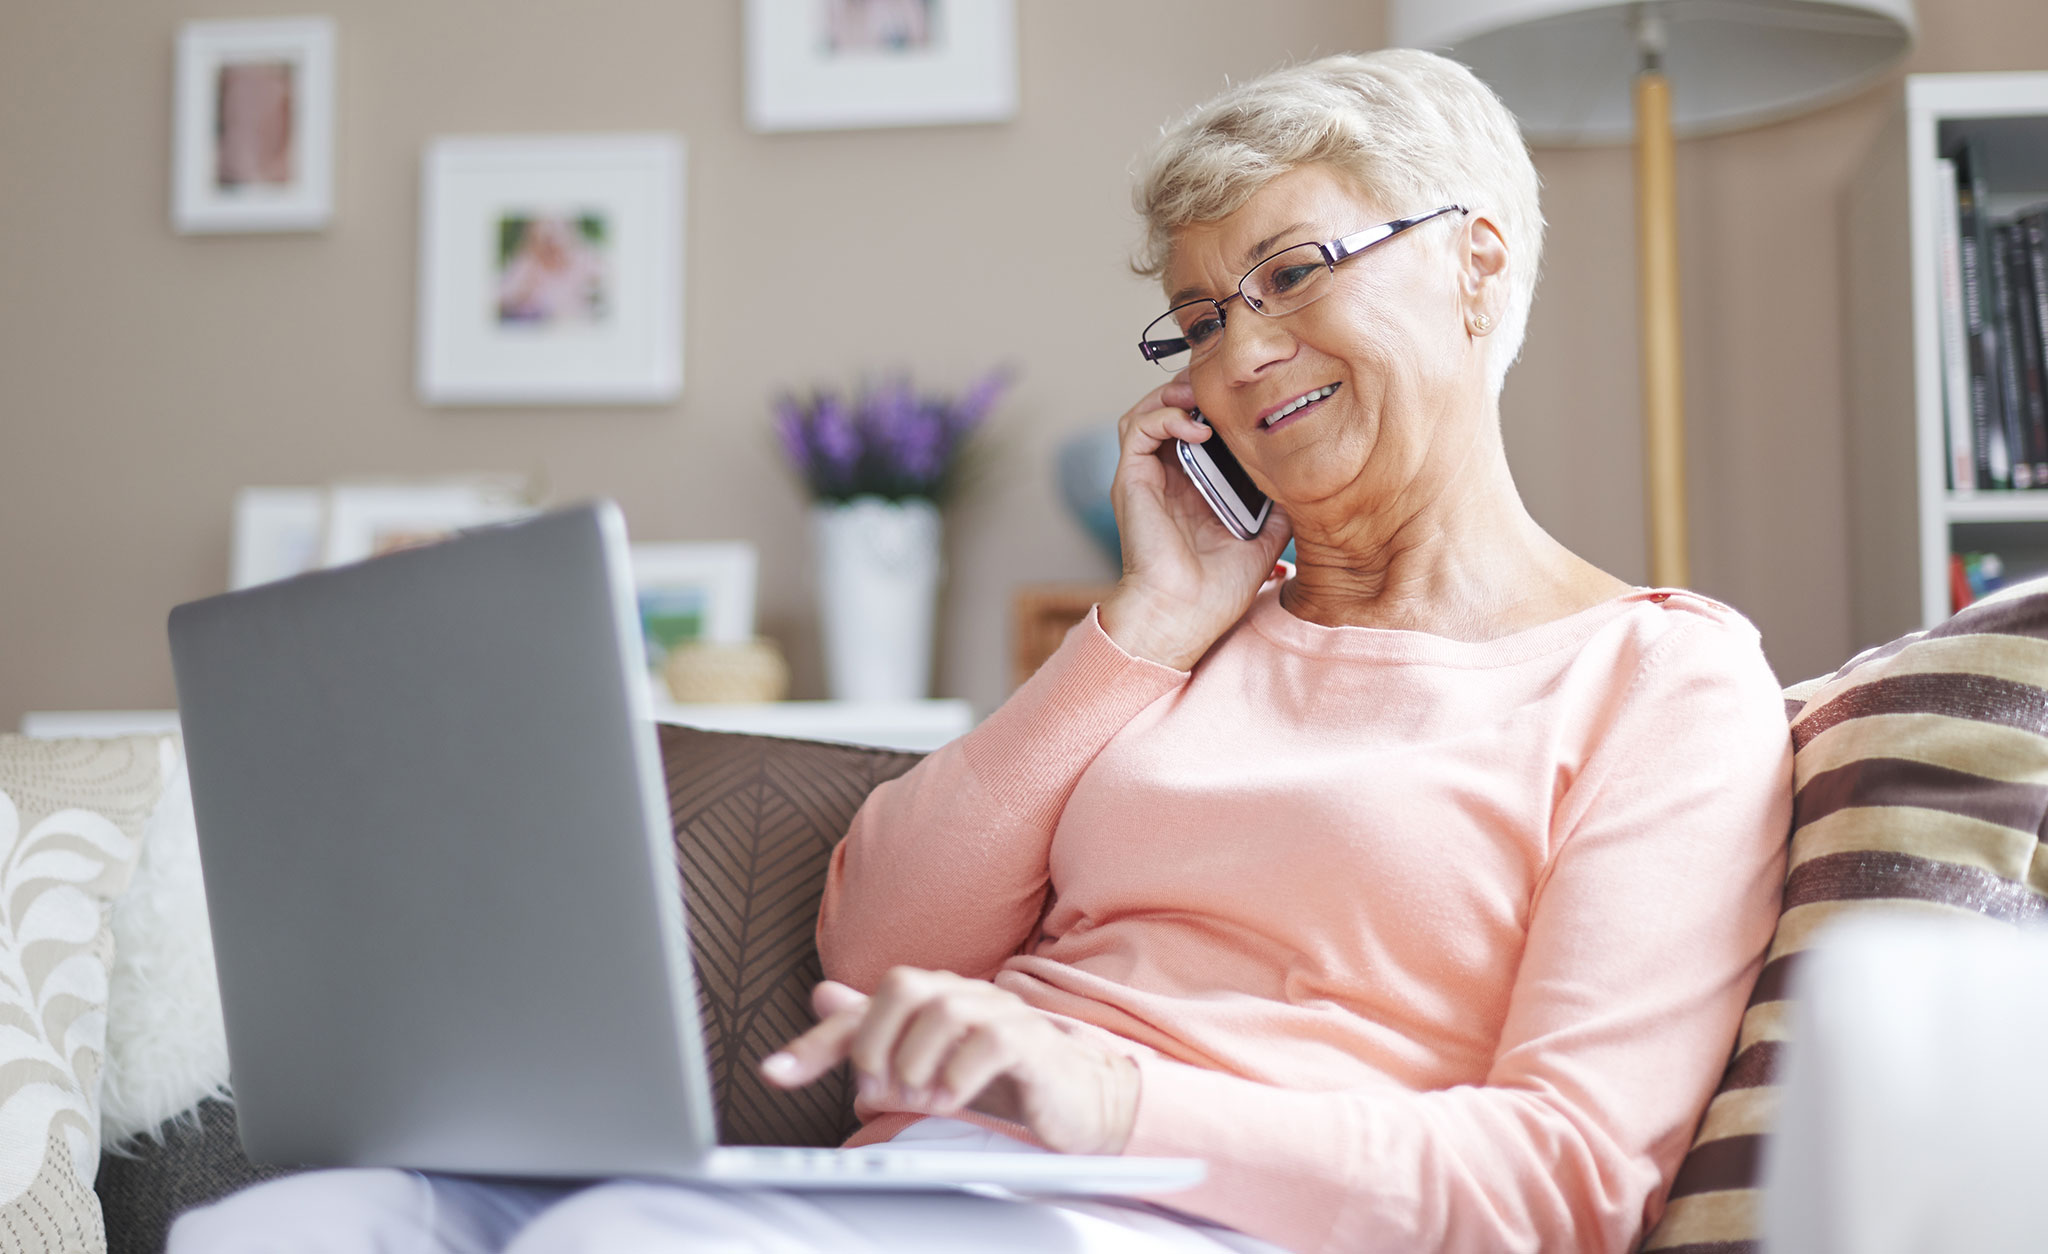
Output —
(1408, 412)
(1368, 549)
(1366, 440)
(1371, 462)
(1453, 461)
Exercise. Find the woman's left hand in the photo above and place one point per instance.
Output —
(934, 1043)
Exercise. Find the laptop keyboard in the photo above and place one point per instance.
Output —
(755, 1161)
(894, 1167)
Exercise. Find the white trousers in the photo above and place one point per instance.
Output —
(387, 1211)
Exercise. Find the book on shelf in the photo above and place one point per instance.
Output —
(1955, 334)
(2012, 401)
(2024, 334)
(1987, 417)
(1992, 304)
(2030, 240)
(1973, 576)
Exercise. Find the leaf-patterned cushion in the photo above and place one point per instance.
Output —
(1920, 776)
(71, 816)
(755, 821)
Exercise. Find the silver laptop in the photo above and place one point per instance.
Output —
(446, 909)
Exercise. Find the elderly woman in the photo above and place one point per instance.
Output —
(1417, 888)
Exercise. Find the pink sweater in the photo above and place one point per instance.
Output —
(1422, 944)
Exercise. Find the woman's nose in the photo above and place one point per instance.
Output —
(1251, 342)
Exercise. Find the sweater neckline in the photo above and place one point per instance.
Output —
(1406, 646)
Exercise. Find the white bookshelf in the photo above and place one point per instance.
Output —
(1903, 520)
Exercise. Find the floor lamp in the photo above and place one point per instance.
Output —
(1601, 73)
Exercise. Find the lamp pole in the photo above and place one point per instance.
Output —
(1663, 353)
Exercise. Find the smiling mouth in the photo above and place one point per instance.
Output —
(1298, 404)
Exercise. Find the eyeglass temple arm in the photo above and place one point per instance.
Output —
(1350, 244)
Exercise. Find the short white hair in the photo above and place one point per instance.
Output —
(1414, 129)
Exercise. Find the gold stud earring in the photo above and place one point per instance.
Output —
(1481, 323)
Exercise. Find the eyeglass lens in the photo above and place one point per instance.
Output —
(1279, 285)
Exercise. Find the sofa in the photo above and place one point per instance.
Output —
(1904, 801)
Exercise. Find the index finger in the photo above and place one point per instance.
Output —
(816, 1051)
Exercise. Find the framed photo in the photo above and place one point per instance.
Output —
(254, 128)
(371, 519)
(816, 65)
(551, 270)
(694, 592)
(278, 534)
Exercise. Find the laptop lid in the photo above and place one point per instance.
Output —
(438, 861)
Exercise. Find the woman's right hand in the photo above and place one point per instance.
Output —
(1186, 578)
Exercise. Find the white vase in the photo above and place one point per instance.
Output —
(878, 594)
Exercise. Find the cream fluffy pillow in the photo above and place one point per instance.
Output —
(167, 1049)
(71, 819)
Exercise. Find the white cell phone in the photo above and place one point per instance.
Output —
(1223, 482)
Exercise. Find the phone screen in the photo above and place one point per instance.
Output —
(1233, 474)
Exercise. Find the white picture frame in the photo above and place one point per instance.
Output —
(365, 520)
(710, 582)
(551, 270)
(253, 126)
(816, 65)
(278, 534)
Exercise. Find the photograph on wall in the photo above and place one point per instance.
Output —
(552, 267)
(857, 27)
(702, 591)
(254, 130)
(551, 270)
(836, 64)
(253, 103)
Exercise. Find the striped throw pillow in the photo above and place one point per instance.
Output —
(1921, 778)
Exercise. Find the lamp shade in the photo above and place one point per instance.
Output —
(1565, 67)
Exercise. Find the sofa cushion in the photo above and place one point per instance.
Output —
(755, 822)
(1921, 788)
(71, 820)
(187, 1162)
(166, 1047)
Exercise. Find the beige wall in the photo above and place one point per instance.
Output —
(1761, 230)
(144, 376)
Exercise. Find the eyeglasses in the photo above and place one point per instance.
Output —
(1281, 284)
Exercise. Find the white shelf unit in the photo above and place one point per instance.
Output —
(1903, 520)
(915, 726)
(1996, 507)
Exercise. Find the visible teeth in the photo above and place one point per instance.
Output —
(1299, 401)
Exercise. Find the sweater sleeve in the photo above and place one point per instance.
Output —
(1646, 932)
(945, 867)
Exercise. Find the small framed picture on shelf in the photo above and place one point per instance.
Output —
(816, 65)
(371, 519)
(253, 146)
(551, 270)
(694, 592)
(278, 534)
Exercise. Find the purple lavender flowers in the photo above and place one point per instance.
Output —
(886, 440)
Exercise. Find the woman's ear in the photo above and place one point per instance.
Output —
(1484, 280)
